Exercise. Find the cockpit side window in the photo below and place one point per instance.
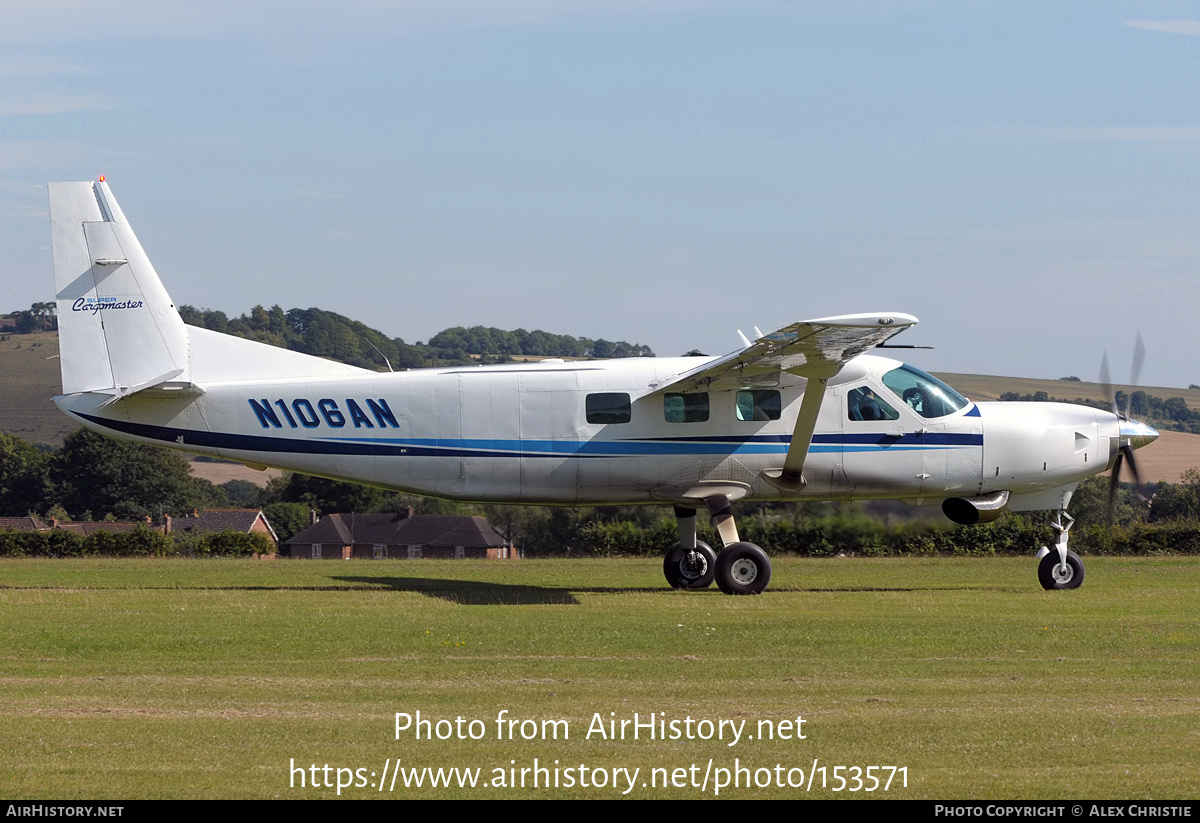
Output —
(758, 405)
(923, 393)
(863, 404)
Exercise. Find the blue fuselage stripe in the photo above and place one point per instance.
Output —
(457, 447)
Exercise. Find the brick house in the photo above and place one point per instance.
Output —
(343, 536)
(246, 521)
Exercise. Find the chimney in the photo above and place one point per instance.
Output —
(195, 512)
(166, 523)
(312, 517)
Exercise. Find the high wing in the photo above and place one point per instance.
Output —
(810, 348)
(814, 349)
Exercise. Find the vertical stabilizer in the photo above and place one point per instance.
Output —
(119, 332)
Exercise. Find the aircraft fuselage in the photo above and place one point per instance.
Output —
(521, 433)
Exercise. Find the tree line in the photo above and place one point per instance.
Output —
(92, 477)
(38, 317)
(328, 334)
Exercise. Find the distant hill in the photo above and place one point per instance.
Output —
(979, 387)
(29, 380)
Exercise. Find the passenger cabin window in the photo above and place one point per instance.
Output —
(864, 404)
(923, 393)
(609, 407)
(686, 408)
(758, 405)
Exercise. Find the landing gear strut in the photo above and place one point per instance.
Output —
(1060, 568)
(740, 568)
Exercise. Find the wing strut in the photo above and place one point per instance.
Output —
(791, 476)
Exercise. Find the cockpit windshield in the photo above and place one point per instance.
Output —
(923, 393)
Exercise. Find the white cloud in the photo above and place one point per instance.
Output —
(1124, 134)
(25, 66)
(1102, 134)
(28, 83)
(53, 104)
(59, 21)
(1188, 27)
(38, 154)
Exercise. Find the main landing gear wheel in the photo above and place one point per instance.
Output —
(685, 570)
(743, 568)
(1053, 575)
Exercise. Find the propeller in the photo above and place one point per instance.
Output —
(1130, 429)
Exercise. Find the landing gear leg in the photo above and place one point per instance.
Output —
(742, 568)
(689, 564)
(1060, 568)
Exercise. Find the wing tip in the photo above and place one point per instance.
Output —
(867, 319)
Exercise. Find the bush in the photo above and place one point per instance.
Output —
(141, 542)
(49, 543)
(224, 544)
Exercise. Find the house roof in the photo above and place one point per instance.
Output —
(84, 528)
(222, 520)
(400, 530)
(22, 524)
(448, 530)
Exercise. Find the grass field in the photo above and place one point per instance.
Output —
(192, 679)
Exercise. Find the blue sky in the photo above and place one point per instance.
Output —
(1020, 176)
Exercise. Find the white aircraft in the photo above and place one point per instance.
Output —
(800, 414)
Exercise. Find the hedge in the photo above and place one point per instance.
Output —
(863, 536)
(141, 542)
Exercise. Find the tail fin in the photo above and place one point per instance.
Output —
(119, 332)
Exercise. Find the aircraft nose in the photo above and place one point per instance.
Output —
(1137, 434)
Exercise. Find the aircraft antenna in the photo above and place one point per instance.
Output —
(381, 354)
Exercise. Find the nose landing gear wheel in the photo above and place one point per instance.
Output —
(1052, 574)
(684, 571)
(743, 568)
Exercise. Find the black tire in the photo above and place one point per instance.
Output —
(682, 573)
(1052, 576)
(743, 568)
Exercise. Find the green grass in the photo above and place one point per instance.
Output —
(179, 678)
